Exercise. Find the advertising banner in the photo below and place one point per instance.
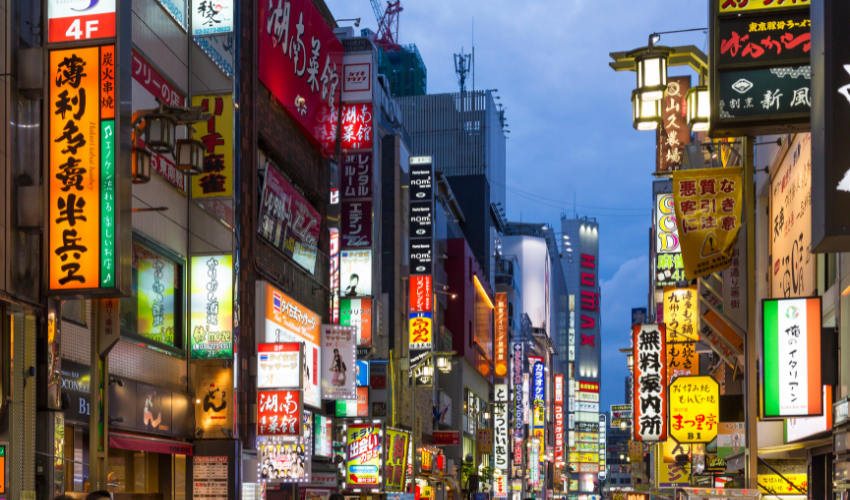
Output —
(358, 314)
(279, 413)
(282, 319)
(211, 321)
(669, 268)
(681, 318)
(501, 320)
(355, 273)
(791, 358)
(708, 216)
(421, 291)
(793, 266)
(694, 409)
(217, 136)
(288, 221)
(284, 462)
(517, 361)
(500, 455)
(356, 224)
(339, 359)
(396, 468)
(302, 61)
(279, 366)
(650, 389)
(364, 457)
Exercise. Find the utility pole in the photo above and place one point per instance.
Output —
(750, 393)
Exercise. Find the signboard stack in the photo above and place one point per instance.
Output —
(421, 246)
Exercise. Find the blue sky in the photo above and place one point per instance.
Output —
(569, 116)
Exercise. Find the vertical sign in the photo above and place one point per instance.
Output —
(81, 243)
(673, 135)
(421, 256)
(681, 319)
(695, 409)
(211, 321)
(830, 119)
(279, 413)
(603, 442)
(650, 391)
(209, 476)
(668, 254)
(217, 137)
(791, 358)
(501, 428)
(517, 361)
(501, 334)
(589, 301)
(559, 420)
(364, 460)
(396, 460)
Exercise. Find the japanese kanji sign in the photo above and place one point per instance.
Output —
(485, 441)
(673, 135)
(300, 61)
(364, 460)
(217, 136)
(279, 413)
(420, 293)
(792, 358)
(501, 344)
(681, 317)
(82, 245)
(420, 330)
(760, 72)
(650, 379)
(211, 320)
(500, 427)
(792, 273)
(357, 126)
(396, 460)
(669, 268)
(280, 366)
(214, 17)
(708, 214)
(694, 409)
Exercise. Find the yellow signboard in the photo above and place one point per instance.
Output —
(694, 409)
(742, 5)
(584, 457)
(681, 316)
(775, 484)
(708, 216)
(671, 448)
(217, 136)
(396, 462)
(420, 330)
(671, 475)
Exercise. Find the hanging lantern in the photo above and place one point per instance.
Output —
(652, 74)
(190, 154)
(141, 165)
(646, 115)
(699, 109)
(159, 133)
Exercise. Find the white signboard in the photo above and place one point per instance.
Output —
(357, 77)
(209, 478)
(177, 10)
(214, 18)
(592, 397)
(279, 366)
(500, 448)
(355, 273)
(75, 20)
(792, 272)
(585, 406)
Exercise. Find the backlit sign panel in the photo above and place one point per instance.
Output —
(75, 20)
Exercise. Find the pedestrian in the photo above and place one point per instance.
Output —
(98, 495)
(336, 496)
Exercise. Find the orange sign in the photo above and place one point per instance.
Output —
(681, 316)
(501, 334)
(420, 293)
(81, 216)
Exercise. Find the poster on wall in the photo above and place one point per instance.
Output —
(288, 221)
(209, 478)
(284, 462)
(279, 365)
(211, 321)
(355, 273)
(364, 457)
(339, 359)
(281, 319)
(793, 267)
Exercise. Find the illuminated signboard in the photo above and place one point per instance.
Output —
(420, 331)
(500, 455)
(357, 313)
(501, 317)
(323, 435)
(75, 20)
(288, 462)
(650, 390)
(397, 443)
(211, 322)
(354, 407)
(217, 136)
(364, 457)
(695, 409)
(339, 359)
(216, 18)
(669, 267)
(279, 413)
(681, 318)
(279, 366)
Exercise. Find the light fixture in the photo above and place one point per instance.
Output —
(651, 73)
(486, 415)
(427, 371)
(646, 115)
(141, 165)
(159, 132)
(623, 425)
(444, 364)
(699, 109)
(190, 153)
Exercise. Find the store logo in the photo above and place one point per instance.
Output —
(742, 86)
(792, 313)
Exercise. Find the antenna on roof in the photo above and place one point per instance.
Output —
(462, 69)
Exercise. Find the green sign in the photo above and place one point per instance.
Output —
(107, 205)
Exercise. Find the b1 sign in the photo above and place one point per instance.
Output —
(74, 20)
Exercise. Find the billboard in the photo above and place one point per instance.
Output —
(280, 365)
(421, 292)
(358, 314)
(279, 413)
(217, 136)
(211, 321)
(501, 320)
(279, 319)
(356, 223)
(355, 273)
(650, 389)
(500, 428)
(364, 455)
(284, 462)
(668, 253)
(396, 467)
(339, 359)
(694, 409)
(420, 331)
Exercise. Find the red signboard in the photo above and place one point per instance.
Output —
(69, 21)
(356, 126)
(300, 61)
(447, 438)
(588, 386)
(420, 293)
(279, 413)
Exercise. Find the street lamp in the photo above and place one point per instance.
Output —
(141, 163)
(159, 132)
(652, 73)
(699, 108)
(190, 153)
(646, 115)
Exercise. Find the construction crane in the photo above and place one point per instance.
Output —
(387, 35)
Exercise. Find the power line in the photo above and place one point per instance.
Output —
(561, 207)
(577, 204)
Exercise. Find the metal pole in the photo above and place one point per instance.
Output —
(94, 401)
(413, 434)
(751, 406)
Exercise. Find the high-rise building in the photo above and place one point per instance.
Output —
(404, 68)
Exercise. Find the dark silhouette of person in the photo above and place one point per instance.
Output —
(351, 291)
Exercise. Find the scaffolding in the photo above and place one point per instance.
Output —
(405, 71)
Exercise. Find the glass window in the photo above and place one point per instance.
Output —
(154, 313)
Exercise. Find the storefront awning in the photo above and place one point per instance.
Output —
(152, 444)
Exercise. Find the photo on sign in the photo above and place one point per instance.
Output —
(339, 359)
(284, 462)
(355, 273)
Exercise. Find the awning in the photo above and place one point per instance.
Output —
(152, 444)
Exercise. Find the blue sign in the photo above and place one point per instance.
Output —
(362, 373)
(639, 315)
(539, 381)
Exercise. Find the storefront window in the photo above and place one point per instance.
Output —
(154, 313)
